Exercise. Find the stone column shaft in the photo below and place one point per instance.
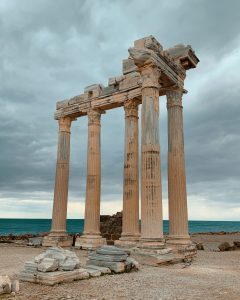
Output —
(151, 188)
(58, 235)
(91, 238)
(92, 206)
(177, 195)
(130, 226)
(59, 215)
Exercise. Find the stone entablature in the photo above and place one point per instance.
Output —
(172, 63)
(148, 72)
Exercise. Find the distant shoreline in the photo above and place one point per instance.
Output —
(30, 235)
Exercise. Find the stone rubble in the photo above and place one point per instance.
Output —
(57, 265)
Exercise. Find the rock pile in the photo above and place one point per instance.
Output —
(111, 227)
(117, 260)
(225, 246)
(7, 286)
(57, 265)
(53, 266)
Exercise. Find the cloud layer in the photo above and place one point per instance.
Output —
(51, 50)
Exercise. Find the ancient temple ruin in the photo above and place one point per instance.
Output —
(148, 72)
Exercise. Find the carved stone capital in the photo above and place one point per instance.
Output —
(174, 98)
(131, 108)
(65, 124)
(94, 116)
(150, 76)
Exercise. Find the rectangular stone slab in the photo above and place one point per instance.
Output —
(116, 267)
(93, 273)
(103, 270)
(52, 278)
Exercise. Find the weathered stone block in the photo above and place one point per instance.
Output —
(93, 90)
(116, 267)
(62, 104)
(109, 90)
(93, 273)
(103, 270)
(35, 241)
(128, 66)
(52, 278)
(48, 265)
(148, 42)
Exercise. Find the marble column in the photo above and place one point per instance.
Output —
(91, 238)
(151, 187)
(177, 195)
(130, 226)
(58, 235)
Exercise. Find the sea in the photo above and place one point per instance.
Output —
(36, 226)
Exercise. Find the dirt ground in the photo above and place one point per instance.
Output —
(212, 275)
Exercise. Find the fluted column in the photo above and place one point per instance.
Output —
(58, 235)
(177, 195)
(151, 187)
(91, 236)
(130, 225)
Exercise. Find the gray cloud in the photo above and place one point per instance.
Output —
(50, 50)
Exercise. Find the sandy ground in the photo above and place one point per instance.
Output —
(212, 275)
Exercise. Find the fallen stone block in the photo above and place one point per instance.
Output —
(116, 267)
(109, 258)
(51, 278)
(35, 241)
(93, 273)
(103, 270)
(48, 265)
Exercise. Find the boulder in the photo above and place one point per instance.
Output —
(224, 246)
(199, 246)
(236, 244)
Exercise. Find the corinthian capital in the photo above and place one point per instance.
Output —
(174, 98)
(150, 75)
(131, 108)
(94, 116)
(65, 124)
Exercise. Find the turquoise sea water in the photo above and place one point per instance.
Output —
(35, 226)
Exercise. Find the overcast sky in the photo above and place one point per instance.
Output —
(51, 50)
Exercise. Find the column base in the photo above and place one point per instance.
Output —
(57, 241)
(127, 241)
(181, 244)
(178, 240)
(151, 243)
(90, 242)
